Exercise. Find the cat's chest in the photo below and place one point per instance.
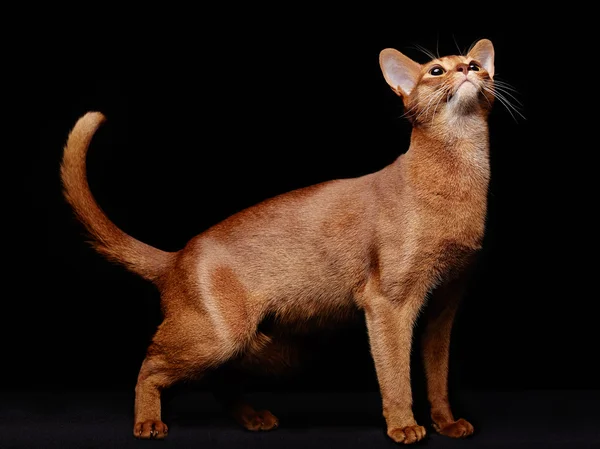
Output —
(453, 212)
(451, 236)
(463, 223)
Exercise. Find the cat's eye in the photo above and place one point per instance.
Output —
(474, 67)
(436, 71)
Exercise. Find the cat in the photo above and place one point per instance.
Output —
(382, 244)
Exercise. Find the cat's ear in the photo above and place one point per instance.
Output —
(483, 51)
(400, 72)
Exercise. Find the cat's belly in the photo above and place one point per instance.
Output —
(308, 316)
(313, 303)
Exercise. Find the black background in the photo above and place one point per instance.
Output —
(207, 115)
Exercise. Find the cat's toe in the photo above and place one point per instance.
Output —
(261, 420)
(269, 421)
(150, 429)
(460, 428)
(408, 434)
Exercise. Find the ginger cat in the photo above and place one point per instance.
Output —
(377, 244)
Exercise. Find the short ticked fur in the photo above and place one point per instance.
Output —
(378, 244)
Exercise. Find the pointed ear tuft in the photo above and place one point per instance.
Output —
(483, 51)
(399, 71)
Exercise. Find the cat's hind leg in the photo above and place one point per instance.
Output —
(263, 356)
(183, 348)
(229, 392)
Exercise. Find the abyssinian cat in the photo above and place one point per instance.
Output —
(382, 244)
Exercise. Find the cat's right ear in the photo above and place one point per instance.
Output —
(400, 72)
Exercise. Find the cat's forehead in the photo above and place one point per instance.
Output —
(449, 61)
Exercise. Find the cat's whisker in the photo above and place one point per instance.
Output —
(460, 52)
(412, 113)
(408, 112)
(423, 50)
(446, 91)
(506, 89)
(504, 99)
(485, 96)
(435, 97)
(471, 47)
(411, 110)
(504, 85)
(506, 102)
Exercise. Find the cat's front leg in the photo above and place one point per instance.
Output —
(390, 327)
(439, 317)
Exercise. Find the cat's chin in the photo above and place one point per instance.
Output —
(464, 98)
(465, 91)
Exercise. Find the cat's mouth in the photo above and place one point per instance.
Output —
(460, 86)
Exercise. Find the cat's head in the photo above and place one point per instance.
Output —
(442, 88)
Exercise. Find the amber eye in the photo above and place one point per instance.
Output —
(474, 67)
(437, 71)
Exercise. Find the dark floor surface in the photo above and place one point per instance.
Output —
(528, 420)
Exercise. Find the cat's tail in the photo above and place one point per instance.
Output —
(149, 262)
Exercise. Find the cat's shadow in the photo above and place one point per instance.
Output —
(294, 409)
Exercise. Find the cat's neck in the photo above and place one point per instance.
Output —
(452, 156)
(464, 141)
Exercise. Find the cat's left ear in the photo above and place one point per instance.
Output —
(483, 51)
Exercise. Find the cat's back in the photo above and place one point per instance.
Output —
(306, 215)
(304, 238)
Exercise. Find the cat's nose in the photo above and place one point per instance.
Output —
(462, 67)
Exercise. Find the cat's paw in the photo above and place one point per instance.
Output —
(150, 430)
(407, 435)
(260, 420)
(458, 429)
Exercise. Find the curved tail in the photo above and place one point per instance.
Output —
(149, 262)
